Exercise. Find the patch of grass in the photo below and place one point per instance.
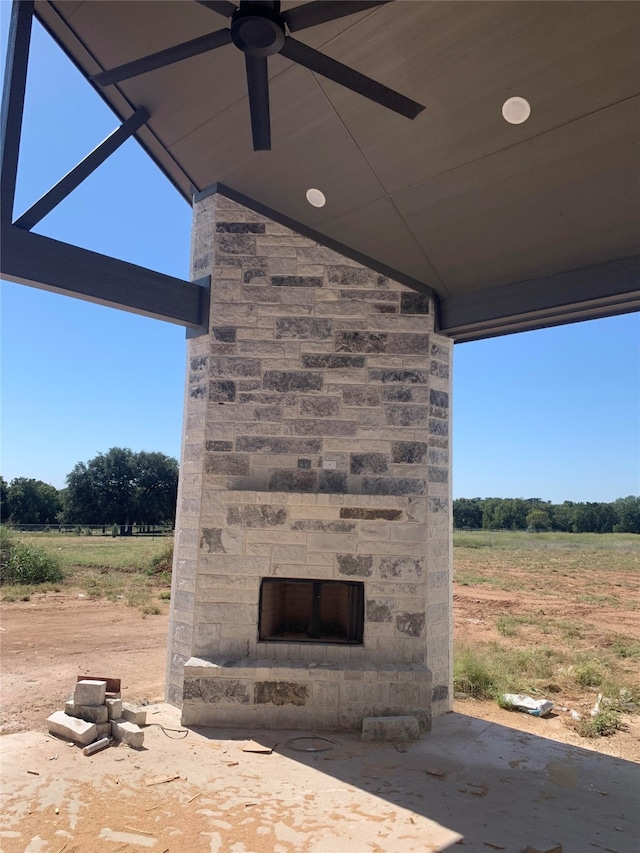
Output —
(588, 674)
(136, 589)
(528, 670)
(17, 592)
(604, 724)
(162, 562)
(569, 630)
(129, 553)
(625, 648)
(151, 610)
(600, 600)
(508, 626)
(474, 674)
(470, 578)
(524, 541)
(22, 563)
(625, 698)
(487, 670)
(130, 569)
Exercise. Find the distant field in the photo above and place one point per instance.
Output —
(520, 540)
(580, 565)
(134, 569)
(108, 552)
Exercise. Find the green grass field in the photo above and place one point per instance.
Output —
(135, 569)
(125, 553)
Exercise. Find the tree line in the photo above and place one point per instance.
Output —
(119, 488)
(619, 516)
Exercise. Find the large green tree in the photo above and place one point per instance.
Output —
(538, 519)
(467, 513)
(506, 513)
(124, 488)
(628, 514)
(32, 502)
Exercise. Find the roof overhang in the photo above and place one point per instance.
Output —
(513, 227)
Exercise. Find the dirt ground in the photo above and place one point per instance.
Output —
(48, 641)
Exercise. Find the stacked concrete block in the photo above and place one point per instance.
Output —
(315, 446)
(89, 715)
(114, 708)
(72, 728)
(103, 729)
(133, 714)
(88, 692)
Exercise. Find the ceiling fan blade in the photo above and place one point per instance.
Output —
(320, 11)
(258, 86)
(222, 7)
(164, 57)
(348, 77)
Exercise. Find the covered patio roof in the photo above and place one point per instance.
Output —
(511, 227)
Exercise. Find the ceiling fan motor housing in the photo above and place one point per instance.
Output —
(258, 30)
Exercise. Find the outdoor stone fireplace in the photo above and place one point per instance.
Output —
(312, 571)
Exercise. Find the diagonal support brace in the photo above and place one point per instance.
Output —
(86, 167)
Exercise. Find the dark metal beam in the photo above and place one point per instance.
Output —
(47, 264)
(601, 290)
(15, 81)
(85, 168)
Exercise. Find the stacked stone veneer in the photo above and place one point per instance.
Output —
(315, 445)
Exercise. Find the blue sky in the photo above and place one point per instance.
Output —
(553, 414)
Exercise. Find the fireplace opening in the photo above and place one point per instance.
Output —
(298, 611)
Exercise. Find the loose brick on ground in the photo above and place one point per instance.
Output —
(128, 733)
(72, 728)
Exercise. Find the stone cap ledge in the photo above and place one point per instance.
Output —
(267, 669)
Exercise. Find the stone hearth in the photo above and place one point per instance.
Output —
(315, 451)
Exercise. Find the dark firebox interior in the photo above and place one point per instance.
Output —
(311, 611)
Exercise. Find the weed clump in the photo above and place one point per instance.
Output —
(588, 674)
(603, 724)
(26, 564)
(474, 675)
(162, 562)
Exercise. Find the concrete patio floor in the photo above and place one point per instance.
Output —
(468, 785)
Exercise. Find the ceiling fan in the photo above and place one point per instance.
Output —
(259, 29)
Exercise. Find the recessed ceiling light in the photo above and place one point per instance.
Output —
(516, 110)
(316, 197)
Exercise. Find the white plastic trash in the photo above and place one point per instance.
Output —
(535, 707)
(96, 746)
